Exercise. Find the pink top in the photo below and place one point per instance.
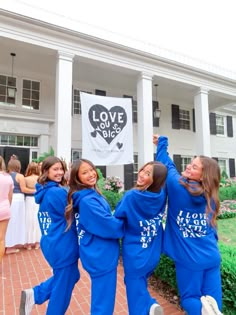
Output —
(6, 185)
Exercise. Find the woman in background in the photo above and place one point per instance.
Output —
(6, 192)
(142, 209)
(33, 233)
(15, 236)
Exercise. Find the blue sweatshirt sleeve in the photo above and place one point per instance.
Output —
(99, 221)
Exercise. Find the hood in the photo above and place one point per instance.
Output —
(78, 195)
(198, 200)
(144, 200)
(42, 189)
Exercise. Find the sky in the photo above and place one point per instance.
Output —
(202, 29)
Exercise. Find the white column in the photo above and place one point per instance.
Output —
(203, 143)
(145, 120)
(63, 105)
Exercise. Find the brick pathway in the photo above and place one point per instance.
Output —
(28, 268)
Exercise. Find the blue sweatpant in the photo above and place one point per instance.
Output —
(103, 293)
(57, 289)
(194, 284)
(138, 297)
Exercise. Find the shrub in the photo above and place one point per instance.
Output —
(113, 184)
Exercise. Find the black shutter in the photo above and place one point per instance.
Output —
(134, 113)
(100, 92)
(229, 126)
(155, 105)
(212, 123)
(215, 158)
(175, 116)
(231, 167)
(177, 161)
(194, 124)
(129, 176)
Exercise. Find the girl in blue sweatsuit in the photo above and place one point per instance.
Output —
(190, 234)
(142, 209)
(98, 233)
(58, 244)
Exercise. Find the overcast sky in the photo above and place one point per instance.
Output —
(203, 29)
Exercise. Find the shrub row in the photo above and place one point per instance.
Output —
(165, 271)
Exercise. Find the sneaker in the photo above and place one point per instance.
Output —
(209, 306)
(156, 309)
(27, 302)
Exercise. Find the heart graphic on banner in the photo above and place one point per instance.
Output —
(107, 123)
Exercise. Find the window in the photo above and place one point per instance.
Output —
(4, 83)
(76, 154)
(223, 165)
(184, 118)
(185, 160)
(76, 101)
(13, 140)
(220, 125)
(31, 94)
(135, 169)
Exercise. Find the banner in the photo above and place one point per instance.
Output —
(107, 129)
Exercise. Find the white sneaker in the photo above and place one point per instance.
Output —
(26, 302)
(209, 306)
(156, 309)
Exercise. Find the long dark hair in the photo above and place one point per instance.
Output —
(159, 172)
(75, 184)
(209, 185)
(47, 163)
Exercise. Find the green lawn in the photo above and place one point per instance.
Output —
(227, 230)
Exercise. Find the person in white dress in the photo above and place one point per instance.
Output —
(33, 233)
(15, 235)
(6, 192)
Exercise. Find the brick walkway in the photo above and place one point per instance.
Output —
(28, 268)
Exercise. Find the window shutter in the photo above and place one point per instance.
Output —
(155, 104)
(175, 116)
(129, 176)
(215, 158)
(194, 126)
(229, 126)
(100, 92)
(177, 161)
(231, 167)
(134, 113)
(212, 123)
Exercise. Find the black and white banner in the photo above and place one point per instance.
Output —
(107, 131)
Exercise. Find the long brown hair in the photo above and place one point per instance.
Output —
(75, 184)
(209, 186)
(159, 172)
(47, 163)
(32, 169)
(2, 164)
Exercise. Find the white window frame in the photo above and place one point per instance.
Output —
(184, 118)
(224, 165)
(221, 124)
(30, 98)
(185, 160)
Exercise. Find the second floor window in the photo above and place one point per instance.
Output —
(184, 118)
(6, 81)
(220, 125)
(31, 94)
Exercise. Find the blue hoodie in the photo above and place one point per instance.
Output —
(99, 232)
(142, 212)
(60, 248)
(189, 238)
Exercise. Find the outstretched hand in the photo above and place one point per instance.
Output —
(155, 139)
